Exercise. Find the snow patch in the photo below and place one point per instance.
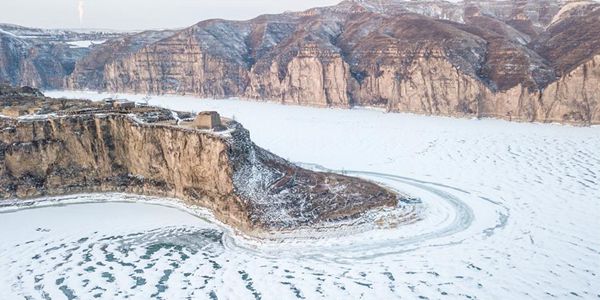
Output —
(84, 44)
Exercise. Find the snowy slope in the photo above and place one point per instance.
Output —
(510, 211)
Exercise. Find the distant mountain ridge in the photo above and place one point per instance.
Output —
(518, 60)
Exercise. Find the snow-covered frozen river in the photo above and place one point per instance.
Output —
(510, 211)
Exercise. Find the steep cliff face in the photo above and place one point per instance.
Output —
(84, 147)
(14, 67)
(89, 72)
(313, 77)
(176, 65)
(473, 58)
(575, 96)
(107, 153)
(34, 57)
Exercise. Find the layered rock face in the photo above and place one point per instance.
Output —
(38, 57)
(60, 147)
(89, 72)
(517, 60)
(22, 64)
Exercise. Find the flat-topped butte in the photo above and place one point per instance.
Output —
(57, 146)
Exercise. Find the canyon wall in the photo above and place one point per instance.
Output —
(113, 153)
(495, 60)
(517, 60)
(81, 147)
(37, 57)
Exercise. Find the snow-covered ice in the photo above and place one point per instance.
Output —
(509, 211)
(84, 44)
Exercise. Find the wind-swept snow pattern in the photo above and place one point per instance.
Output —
(502, 211)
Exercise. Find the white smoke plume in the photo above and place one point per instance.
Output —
(80, 7)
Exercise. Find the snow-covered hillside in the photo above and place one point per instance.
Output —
(509, 211)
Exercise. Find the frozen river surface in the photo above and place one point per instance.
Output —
(509, 211)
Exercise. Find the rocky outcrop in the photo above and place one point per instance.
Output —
(37, 57)
(505, 59)
(54, 147)
(312, 77)
(89, 72)
(575, 96)
(572, 38)
(17, 63)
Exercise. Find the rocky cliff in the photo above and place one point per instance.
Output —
(54, 147)
(39, 57)
(519, 60)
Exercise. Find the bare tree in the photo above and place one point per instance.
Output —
(147, 99)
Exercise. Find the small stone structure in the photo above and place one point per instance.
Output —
(109, 102)
(124, 104)
(208, 120)
(119, 103)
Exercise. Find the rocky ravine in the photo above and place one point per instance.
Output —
(55, 147)
(518, 60)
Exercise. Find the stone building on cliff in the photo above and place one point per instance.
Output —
(208, 120)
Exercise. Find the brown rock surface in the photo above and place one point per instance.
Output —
(70, 147)
(41, 57)
(506, 59)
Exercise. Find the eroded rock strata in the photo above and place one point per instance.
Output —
(519, 60)
(40, 57)
(55, 147)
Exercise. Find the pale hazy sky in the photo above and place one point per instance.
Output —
(139, 14)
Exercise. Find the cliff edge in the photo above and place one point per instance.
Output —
(56, 146)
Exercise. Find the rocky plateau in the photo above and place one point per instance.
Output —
(57, 147)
